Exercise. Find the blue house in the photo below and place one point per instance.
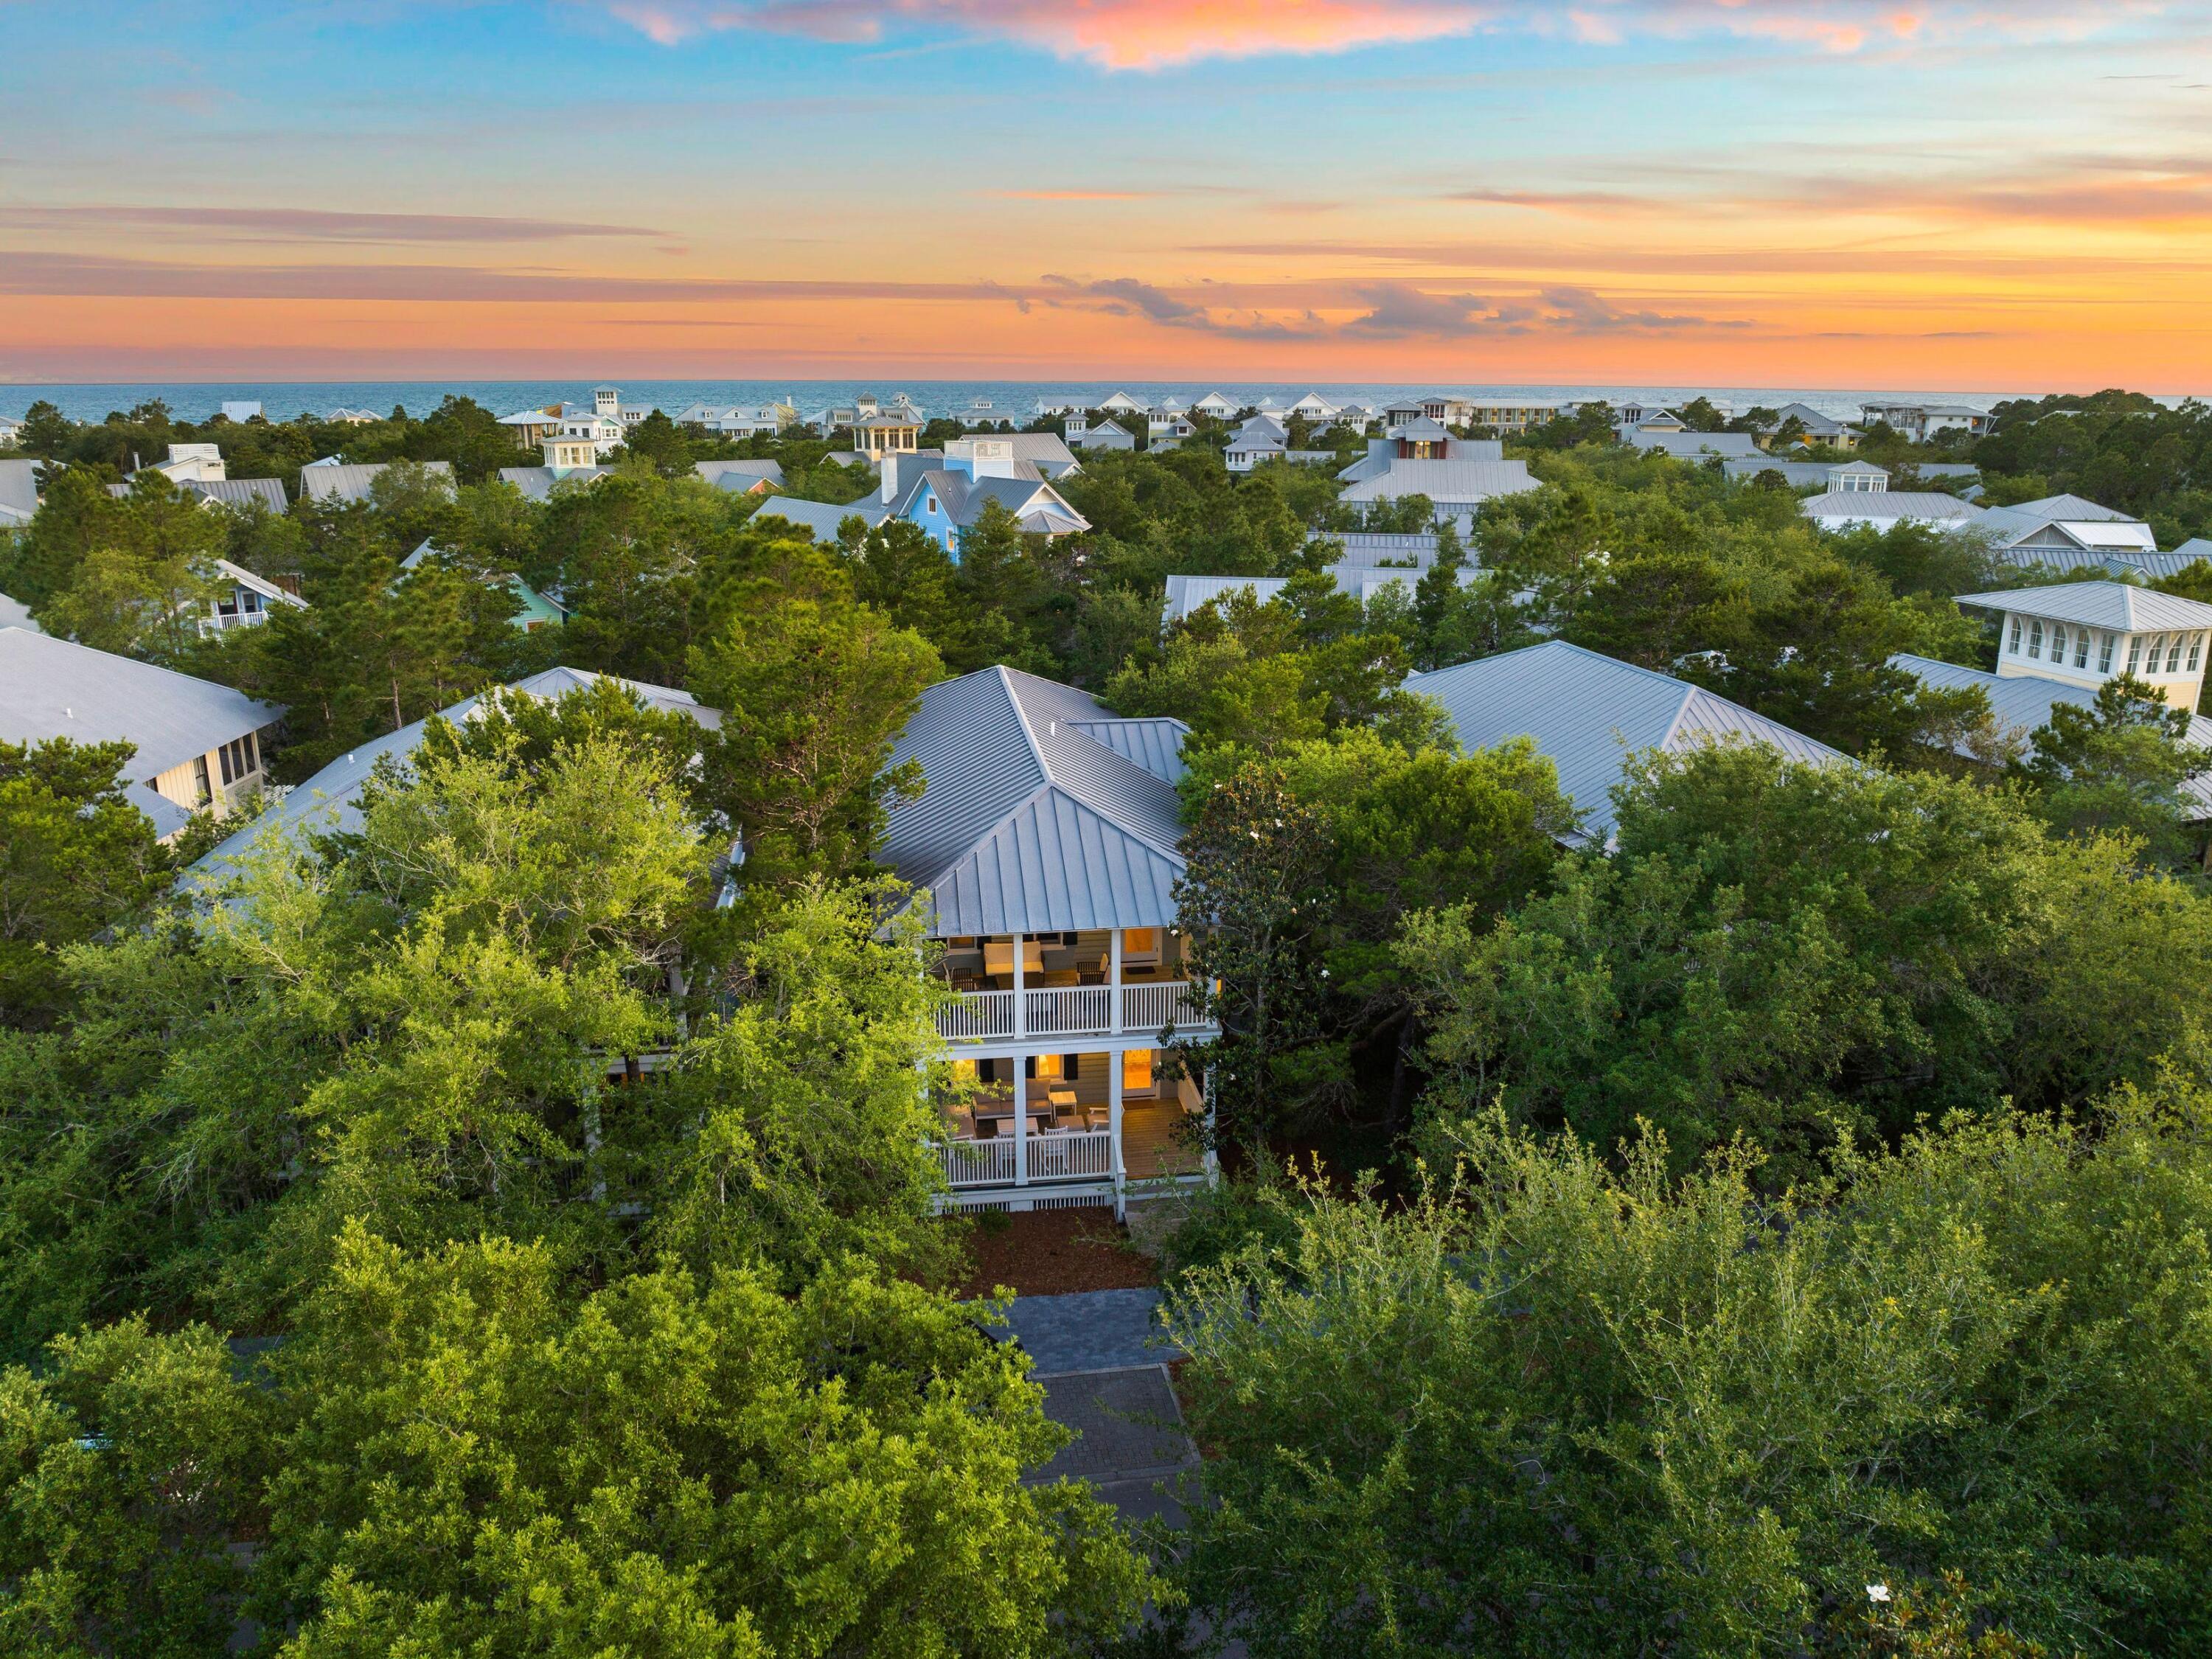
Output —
(947, 495)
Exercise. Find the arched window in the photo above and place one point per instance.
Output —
(2173, 656)
(2081, 648)
(2059, 644)
(2195, 648)
(2104, 653)
(2035, 637)
(2135, 652)
(2015, 636)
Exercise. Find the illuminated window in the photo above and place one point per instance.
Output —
(1136, 1071)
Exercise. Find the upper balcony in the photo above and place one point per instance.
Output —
(1014, 988)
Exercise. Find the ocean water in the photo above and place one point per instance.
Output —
(1015, 400)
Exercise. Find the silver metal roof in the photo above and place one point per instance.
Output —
(1186, 594)
(52, 688)
(1032, 817)
(330, 799)
(238, 492)
(351, 481)
(718, 473)
(537, 482)
(2116, 605)
(2022, 703)
(1444, 481)
(1374, 547)
(821, 518)
(19, 490)
(1930, 506)
(1590, 713)
(2097, 561)
(1695, 445)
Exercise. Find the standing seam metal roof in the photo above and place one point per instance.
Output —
(2098, 604)
(1589, 713)
(1030, 820)
(55, 688)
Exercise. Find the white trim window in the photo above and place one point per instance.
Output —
(2135, 652)
(2081, 647)
(2058, 645)
(2104, 653)
(2015, 636)
(2035, 638)
(2196, 651)
(2173, 656)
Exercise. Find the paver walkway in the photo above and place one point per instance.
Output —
(1089, 1330)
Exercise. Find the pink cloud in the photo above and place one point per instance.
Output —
(1151, 34)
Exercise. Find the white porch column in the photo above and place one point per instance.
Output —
(1114, 1095)
(1021, 1098)
(1113, 980)
(1021, 1002)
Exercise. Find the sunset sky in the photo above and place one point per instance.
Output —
(1968, 194)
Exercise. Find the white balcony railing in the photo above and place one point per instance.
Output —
(1071, 1154)
(977, 1015)
(1070, 1011)
(979, 1163)
(1152, 1007)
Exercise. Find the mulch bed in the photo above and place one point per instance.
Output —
(1053, 1253)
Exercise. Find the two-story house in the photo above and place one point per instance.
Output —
(2059, 645)
(1043, 850)
(946, 496)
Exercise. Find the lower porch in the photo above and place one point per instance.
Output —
(1104, 1117)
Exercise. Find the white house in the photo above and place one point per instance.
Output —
(1819, 428)
(2085, 633)
(1044, 851)
(602, 422)
(1921, 422)
(1216, 406)
(1121, 404)
(2065, 533)
(566, 459)
(243, 599)
(1107, 435)
(11, 431)
(948, 499)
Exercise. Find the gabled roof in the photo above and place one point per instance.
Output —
(821, 518)
(538, 482)
(351, 482)
(1444, 481)
(330, 800)
(1422, 429)
(1187, 594)
(19, 490)
(261, 585)
(2093, 527)
(238, 492)
(2093, 563)
(2022, 704)
(1033, 818)
(1034, 504)
(53, 688)
(1694, 445)
(739, 475)
(1930, 506)
(1590, 713)
(2116, 605)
